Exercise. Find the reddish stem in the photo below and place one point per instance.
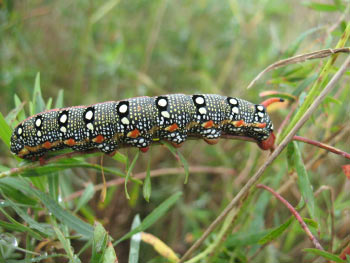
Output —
(295, 213)
(322, 145)
(270, 101)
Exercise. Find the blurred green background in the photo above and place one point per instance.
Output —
(109, 50)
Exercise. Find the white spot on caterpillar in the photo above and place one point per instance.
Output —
(233, 101)
(88, 115)
(202, 110)
(90, 126)
(63, 129)
(39, 134)
(199, 100)
(260, 114)
(63, 118)
(19, 131)
(165, 114)
(260, 108)
(125, 120)
(123, 108)
(235, 110)
(38, 122)
(162, 102)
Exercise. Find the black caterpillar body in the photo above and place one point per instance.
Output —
(138, 122)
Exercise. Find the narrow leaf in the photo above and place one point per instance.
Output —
(152, 217)
(324, 254)
(147, 187)
(305, 186)
(128, 174)
(110, 256)
(21, 115)
(99, 243)
(135, 241)
(5, 131)
(85, 197)
(179, 157)
(38, 101)
(59, 100)
(276, 232)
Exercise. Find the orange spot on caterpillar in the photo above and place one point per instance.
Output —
(47, 145)
(69, 142)
(98, 139)
(239, 123)
(144, 149)
(172, 127)
(261, 125)
(134, 133)
(268, 143)
(208, 124)
(211, 141)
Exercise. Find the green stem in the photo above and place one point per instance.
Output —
(317, 87)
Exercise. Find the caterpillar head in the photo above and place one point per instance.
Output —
(17, 143)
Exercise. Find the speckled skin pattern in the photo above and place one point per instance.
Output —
(138, 122)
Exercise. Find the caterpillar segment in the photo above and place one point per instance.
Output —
(139, 121)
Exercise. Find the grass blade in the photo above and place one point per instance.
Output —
(152, 217)
(135, 241)
(128, 174)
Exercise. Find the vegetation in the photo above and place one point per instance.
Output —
(239, 204)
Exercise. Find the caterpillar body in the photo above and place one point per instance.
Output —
(140, 121)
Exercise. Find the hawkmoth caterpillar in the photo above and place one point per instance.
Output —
(140, 121)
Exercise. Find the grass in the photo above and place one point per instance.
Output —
(94, 51)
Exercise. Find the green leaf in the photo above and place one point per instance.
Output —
(290, 157)
(323, 7)
(53, 182)
(304, 184)
(310, 222)
(21, 115)
(147, 187)
(16, 226)
(152, 217)
(324, 254)
(99, 243)
(103, 10)
(11, 117)
(68, 164)
(65, 242)
(38, 101)
(5, 131)
(70, 220)
(45, 229)
(85, 197)
(59, 100)
(276, 232)
(128, 174)
(120, 158)
(110, 256)
(135, 241)
(180, 157)
(245, 239)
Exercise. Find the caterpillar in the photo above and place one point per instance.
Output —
(140, 121)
